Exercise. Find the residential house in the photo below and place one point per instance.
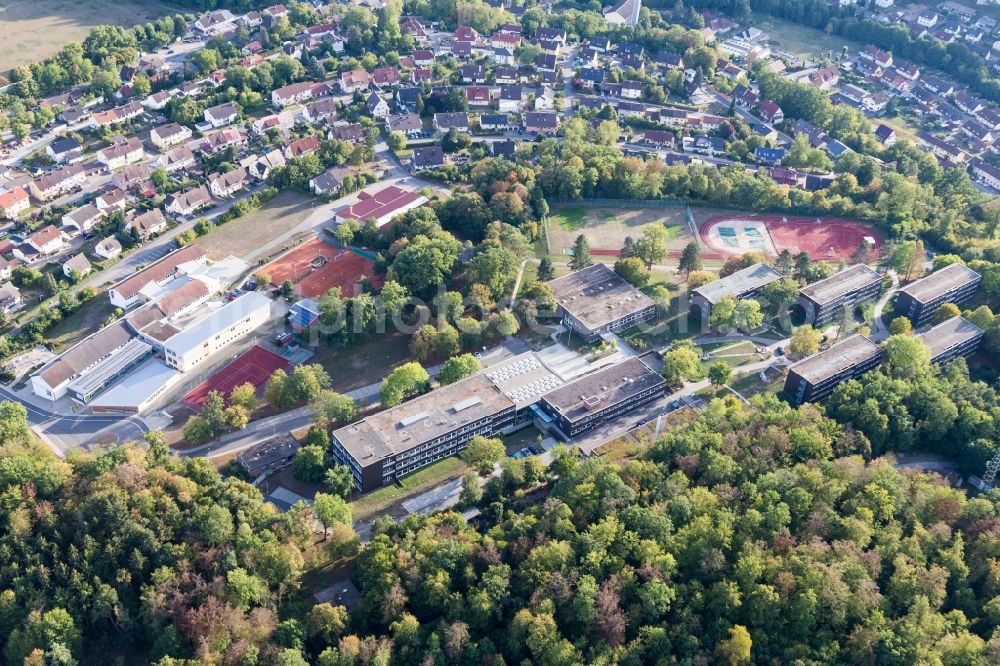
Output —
(376, 106)
(109, 248)
(276, 121)
(57, 182)
(116, 116)
(541, 122)
(47, 241)
(659, 138)
(300, 147)
(295, 93)
(478, 95)
(83, 218)
(77, 265)
(329, 182)
(385, 77)
(13, 203)
(187, 203)
(588, 77)
(771, 112)
(352, 133)
(111, 199)
(409, 124)
(121, 154)
(320, 110)
(221, 115)
(446, 121)
(473, 74)
(64, 149)
(825, 77)
(221, 140)
(147, 224)
(428, 157)
(176, 159)
(503, 55)
(10, 298)
(158, 100)
(223, 186)
(986, 173)
(505, 75)
(262, 166)
(705, 145)
(423, 58)
(495, 122)
(631, 90)
(130, 176)
(168, 135)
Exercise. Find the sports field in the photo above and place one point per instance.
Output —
(828, 239)
(315, 267)
(607, 228)
(34, 30)
(255, 366)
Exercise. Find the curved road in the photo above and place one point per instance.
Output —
(62, 432)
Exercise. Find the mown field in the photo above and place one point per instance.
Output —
(35, 30)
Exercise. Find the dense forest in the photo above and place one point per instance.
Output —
(748, 533)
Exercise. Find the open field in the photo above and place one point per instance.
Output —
(362, 364)
(80, 324)
(377, 501)
(36, 30)
(801, 40)
(240, 237)
(606, 228)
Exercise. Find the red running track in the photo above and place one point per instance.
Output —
(833, 239)
(255, 366)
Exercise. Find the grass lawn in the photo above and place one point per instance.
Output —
(80, 324)
(607, 228)
(801, 40)
(242, 236)
(363, 364)
(516, 441)
(33, 31)
(378, 501)
(571, 219)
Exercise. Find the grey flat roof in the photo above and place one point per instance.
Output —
(610, 386)
(836, 359)
(431, 415)
(940, 281)
(596, 296)
(948, 334)
(742, 281)
(844, 282)
(523, 378)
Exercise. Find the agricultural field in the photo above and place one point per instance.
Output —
(607, 228)
(240, 237)
(36, 30)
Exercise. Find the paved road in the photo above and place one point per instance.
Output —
(63, 432)
(879, 331)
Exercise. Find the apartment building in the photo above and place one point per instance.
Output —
(745, 283)
(385, 446)
(823, 300)
(919, 300)
(587, 402)
(952, 338)
(596, 300)
(813, 378)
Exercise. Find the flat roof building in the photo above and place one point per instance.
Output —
(955, 283)
(814, 378)
(144, 386)
(952, 338)
(229, 323)
(388, 445)
(596, 300)
(589, 401)
(742, 284)
(824, 299)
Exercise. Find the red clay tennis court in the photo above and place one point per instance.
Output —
(315, 266)
(829, 239)
(255, 366)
